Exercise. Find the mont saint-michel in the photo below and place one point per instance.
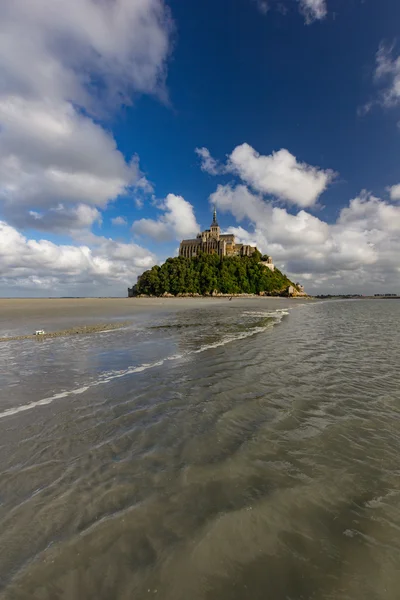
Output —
(212, 241)
(214, 264)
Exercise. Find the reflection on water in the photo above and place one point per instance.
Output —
(212, 454)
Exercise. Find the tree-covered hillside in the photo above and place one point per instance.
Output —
(209, 273)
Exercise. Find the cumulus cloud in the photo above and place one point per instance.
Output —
(87, 55)
(119, 221)
(358, 253)
(49, 153)
(279, 174)
(123, 43)
(178, 221)
(370, 213)
(394, 191)
(47, 268)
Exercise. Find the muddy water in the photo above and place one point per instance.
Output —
(241, 450)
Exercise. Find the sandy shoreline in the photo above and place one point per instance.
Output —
(101, 307)
(21, 317)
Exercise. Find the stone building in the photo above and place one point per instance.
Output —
(212, 241)
(268, 263)
(290, 290)
(296, 291)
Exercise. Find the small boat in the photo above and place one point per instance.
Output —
(39, 332)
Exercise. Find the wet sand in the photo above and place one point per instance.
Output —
(85, 330)
(236, 451)
(71, 307)
(232, 452)
(39, 308)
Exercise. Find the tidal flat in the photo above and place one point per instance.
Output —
(209, 449)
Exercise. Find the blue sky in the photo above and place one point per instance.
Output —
(294, 103)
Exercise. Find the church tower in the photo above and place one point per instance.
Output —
(215, 228)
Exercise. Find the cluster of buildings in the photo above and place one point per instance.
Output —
(212, 241)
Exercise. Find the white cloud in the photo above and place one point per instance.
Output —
(87, 55)
(177, 222)
(279, 174)
(79, 44)
(313, 10)
(49, 269)
(49, 153)
(388, 71)
(208, 163)
(370, 213)
(394, 192)
(119, 221)
(240, 202)
(358, 253)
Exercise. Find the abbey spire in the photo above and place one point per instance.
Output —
(214, 221)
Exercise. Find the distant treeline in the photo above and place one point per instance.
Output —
(209, 273)
(374, 297)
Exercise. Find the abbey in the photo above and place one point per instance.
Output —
(212, 241)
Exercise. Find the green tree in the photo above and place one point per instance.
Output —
(205, 273)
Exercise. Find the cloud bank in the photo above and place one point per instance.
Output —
(88, 57)
(64, 68)
(27, 265)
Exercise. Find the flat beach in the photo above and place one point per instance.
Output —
(12, 307)
(22, 316)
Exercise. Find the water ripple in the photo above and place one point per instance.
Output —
(232, 460)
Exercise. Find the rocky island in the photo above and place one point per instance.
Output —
(213, 264)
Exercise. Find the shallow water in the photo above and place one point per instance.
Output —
(242, 450)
